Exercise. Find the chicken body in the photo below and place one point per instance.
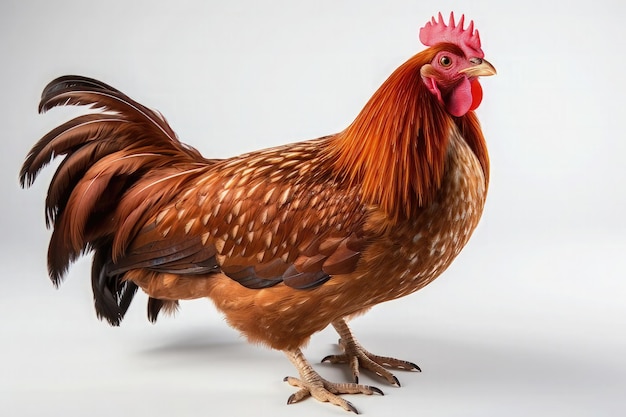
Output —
(322, 228)
(287, 240)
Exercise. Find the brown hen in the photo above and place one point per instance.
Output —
(287, 240)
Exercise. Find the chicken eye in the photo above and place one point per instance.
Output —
(445, 61)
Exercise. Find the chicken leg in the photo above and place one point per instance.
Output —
(357, 357)
(311, 384)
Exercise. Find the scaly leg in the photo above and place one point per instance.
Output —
(357, 357)
(311, 384)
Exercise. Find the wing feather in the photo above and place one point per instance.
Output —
(261, 228)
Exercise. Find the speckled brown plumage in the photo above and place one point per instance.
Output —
(285, 240)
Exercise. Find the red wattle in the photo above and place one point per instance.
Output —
(477, 94)
(460, 99)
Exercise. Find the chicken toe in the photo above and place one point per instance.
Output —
(311, 384)
(357, 357)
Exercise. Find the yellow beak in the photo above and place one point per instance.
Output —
(481, 68)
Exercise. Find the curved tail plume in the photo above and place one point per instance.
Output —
(102, 188)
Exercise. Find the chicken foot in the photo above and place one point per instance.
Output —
(311, 384)
(357, 357)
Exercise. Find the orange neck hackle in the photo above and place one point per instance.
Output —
(396, 147)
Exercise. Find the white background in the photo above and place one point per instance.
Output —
(530, 319)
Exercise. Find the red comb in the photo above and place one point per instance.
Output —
(468, 40)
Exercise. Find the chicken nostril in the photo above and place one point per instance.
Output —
(476, 61)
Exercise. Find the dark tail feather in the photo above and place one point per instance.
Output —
(70, 171)
(62, 91)
(106, 155)
(112, 295)
(66, 139)
(155, 306)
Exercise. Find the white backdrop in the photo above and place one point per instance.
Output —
(528, 321)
